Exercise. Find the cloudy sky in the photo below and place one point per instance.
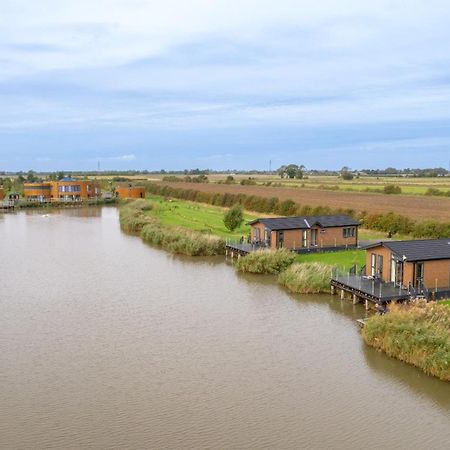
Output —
(151, 84)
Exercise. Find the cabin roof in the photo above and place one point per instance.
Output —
(306, 222)
(418, 250)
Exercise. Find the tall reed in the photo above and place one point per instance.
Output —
(307, 278)
(418, 334)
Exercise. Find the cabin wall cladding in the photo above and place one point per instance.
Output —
(439, 270)
(331, 237)
(387, 255)
(254, 233)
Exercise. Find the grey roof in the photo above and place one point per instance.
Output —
(418, 250)
(306, 222)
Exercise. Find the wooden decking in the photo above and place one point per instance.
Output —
(372, 290)
(236, 249)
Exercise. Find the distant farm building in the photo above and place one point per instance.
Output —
(305, 234)
(130, 191)
(67, 189)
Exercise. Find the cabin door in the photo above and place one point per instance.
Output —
(373, 264)
(393, 270)
(304, 238)
(280, 239)
(314, 237)
(418, 276)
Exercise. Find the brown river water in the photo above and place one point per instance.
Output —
(107, 343)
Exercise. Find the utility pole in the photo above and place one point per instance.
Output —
(270, 166)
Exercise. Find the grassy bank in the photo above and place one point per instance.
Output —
(343, 260)
(388, 222)
(138, 217)
(418, 335)
(197, 217)
(306, 278)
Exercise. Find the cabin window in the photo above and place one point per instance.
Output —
(349, 232)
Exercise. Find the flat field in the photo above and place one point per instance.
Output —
(413, 206)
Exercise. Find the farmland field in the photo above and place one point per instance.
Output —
(413, 206)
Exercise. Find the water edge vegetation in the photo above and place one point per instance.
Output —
(417, 334)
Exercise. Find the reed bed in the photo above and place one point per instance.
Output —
(307, 278)
(182, 241)
(266, 261)
(418, 334)
(133, 217)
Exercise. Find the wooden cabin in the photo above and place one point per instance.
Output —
(306, 233)
(417, 264)
(130, 191)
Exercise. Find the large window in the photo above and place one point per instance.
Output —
(70, 188)
(349, 232)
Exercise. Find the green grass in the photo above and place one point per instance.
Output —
(445, 302)
(343, 259)
(196, 216)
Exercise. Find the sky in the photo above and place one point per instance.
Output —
(224, 84)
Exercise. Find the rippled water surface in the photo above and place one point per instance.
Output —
(109, 343)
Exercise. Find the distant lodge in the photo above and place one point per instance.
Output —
(305, 234)
(130, 191)
(66, 189)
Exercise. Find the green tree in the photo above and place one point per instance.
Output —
(233, 218)
(291, 171)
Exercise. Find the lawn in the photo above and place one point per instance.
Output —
(344, 259)
(197, 216)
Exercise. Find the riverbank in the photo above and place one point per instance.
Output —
(417, 334)
(136, 217)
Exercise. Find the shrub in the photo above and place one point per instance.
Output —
(248, 182)
(307, 278)
(417, 334)
(392, 189)
(265, 261)
(233, 218)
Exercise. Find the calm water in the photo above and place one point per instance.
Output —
(108, 343)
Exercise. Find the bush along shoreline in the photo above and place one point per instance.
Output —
(265, 261)
(417, 334)
(307, 278)
(300, 278)
(134, 218)
(388, 222)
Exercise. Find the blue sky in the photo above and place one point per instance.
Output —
(221, 84)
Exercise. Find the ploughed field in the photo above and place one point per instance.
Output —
(416, 207)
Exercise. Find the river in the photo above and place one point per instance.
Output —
(109, 343)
